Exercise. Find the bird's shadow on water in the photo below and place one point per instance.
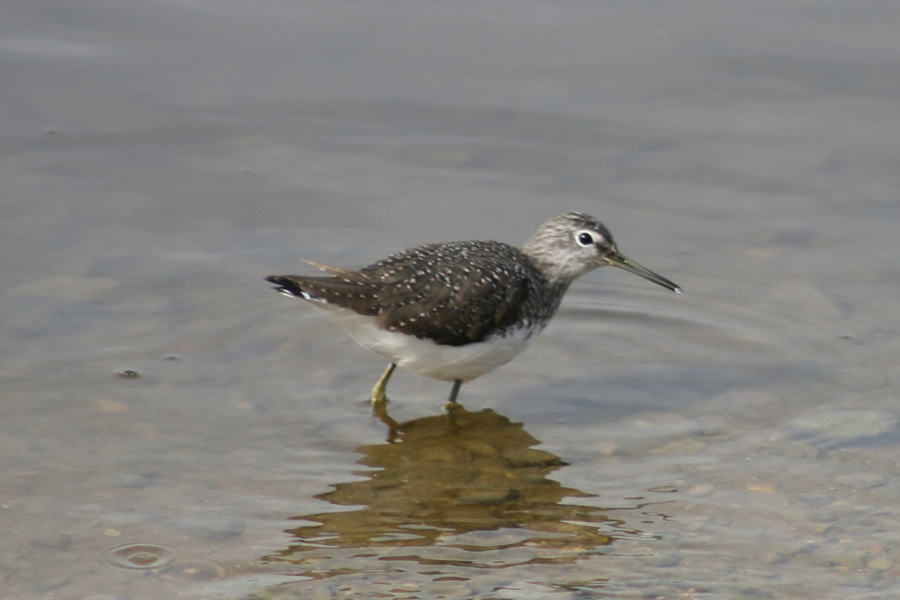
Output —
(450, 496)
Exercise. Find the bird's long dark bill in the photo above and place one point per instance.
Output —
(623, 262)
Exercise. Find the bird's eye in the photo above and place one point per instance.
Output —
(584, 238)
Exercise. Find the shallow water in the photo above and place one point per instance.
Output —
(172, 427)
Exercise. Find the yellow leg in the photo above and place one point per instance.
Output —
(380, 401)
(394, 429)
(379, 398)
(452, 405)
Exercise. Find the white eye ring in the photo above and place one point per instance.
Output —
(584, 238)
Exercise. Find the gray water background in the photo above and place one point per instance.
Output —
(158, 159)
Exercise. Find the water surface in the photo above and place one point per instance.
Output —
(172, 427)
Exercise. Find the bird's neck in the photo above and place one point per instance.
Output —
(559, 269)
(555, 293)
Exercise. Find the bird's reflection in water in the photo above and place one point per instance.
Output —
(469, 492)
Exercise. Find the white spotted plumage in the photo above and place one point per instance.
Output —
(457, 310)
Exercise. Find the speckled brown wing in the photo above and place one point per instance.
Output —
(351, 290)
(454, 293)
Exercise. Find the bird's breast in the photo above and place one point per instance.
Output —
(423, 356)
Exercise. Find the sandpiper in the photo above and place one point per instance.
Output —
(457, 310)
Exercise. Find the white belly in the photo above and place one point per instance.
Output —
(424, 356)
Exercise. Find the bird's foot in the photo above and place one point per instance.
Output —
(379, 409)
(453, 408)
